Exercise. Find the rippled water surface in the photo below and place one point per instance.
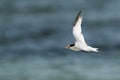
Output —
(33, 35)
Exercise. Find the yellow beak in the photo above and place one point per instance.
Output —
(66, 47)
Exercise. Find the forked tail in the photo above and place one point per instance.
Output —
(93, 49)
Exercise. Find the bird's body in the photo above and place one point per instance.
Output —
(80, 44)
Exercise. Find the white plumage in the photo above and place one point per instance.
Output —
(80, 44)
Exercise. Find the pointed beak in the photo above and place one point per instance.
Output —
(66, 47)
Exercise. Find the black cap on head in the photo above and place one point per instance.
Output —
(71, 45)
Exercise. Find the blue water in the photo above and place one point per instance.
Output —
(33, 35)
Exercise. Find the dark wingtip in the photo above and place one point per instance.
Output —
(77, 17)
(79, 12)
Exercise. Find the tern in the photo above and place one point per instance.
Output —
(80, 44)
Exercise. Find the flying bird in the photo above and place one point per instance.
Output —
(80, 44)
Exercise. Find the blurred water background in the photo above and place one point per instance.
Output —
(33, 34)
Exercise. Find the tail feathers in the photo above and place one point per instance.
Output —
(93, 49)
(96, 49)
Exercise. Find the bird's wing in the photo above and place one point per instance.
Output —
(77, 32)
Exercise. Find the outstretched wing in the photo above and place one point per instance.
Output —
(77, 32)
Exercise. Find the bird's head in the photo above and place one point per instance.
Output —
(72, 47)
(69, 46)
